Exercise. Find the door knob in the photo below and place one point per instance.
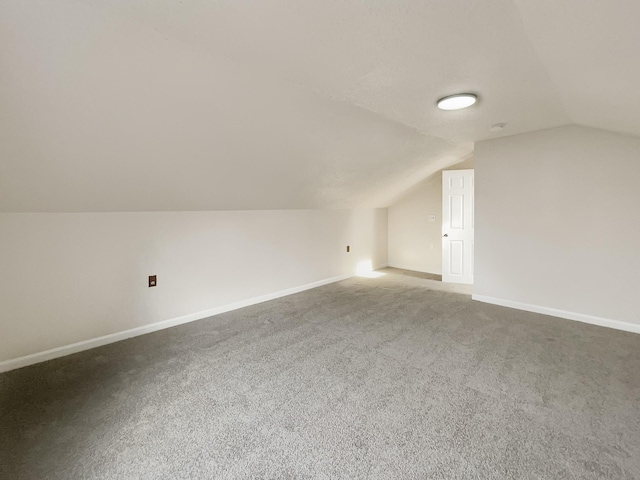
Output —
(446, 235)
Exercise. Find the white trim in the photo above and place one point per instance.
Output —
(412, 269)
(38, 357)
(579, 317)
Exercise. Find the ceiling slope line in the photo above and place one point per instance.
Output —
(543, 65)
(276, 78)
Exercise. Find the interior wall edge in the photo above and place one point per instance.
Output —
(412, 268)
(564, 314)
(38, 357)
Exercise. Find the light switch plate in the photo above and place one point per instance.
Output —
(432, 218)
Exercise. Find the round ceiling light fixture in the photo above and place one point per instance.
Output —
(457, 101)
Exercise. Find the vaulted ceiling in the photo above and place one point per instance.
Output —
(129, 105)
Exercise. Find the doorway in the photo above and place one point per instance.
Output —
(457, 226)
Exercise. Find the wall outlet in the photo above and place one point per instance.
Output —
(153, 280)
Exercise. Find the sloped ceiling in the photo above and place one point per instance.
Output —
(135, 105)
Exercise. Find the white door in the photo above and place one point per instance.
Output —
(457, 226)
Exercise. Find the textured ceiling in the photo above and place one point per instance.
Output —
(127, 105)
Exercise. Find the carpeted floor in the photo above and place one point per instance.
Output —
(392, 377)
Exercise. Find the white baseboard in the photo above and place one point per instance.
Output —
(579, 317)
(38, 357)
(411, 269)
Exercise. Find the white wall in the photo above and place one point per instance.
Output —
(558, 224)
(70, 277)
(414, 242)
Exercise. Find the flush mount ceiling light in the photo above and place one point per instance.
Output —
(457, 101)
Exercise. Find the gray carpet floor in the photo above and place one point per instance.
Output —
(393, 377)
